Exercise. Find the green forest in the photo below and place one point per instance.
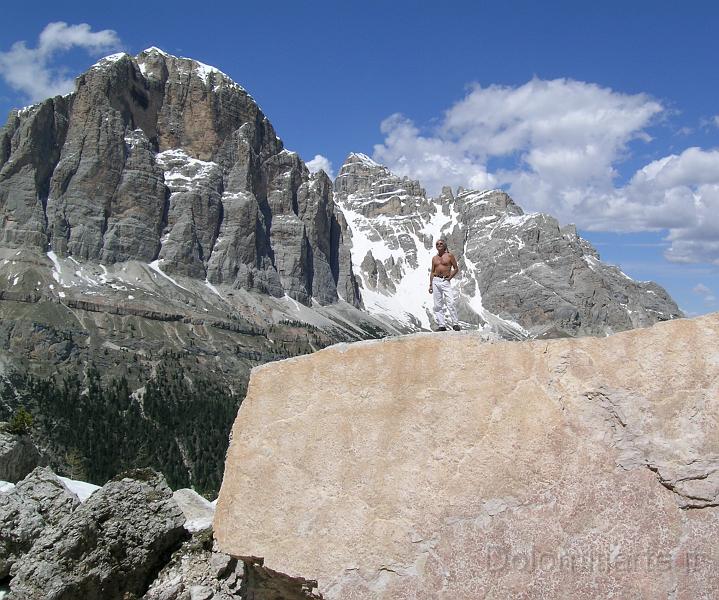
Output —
(94, 429)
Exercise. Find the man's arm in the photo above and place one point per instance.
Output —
(453, 266)
(431, 275)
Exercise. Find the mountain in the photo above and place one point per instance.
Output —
(158, 242)
(457, 467)
(522, 275)
(158, 158)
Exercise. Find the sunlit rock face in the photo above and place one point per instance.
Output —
(455, 467)
(156, 157)
(522, 275)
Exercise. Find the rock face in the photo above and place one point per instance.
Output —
(447, 466)
(110, 547)
(523, 275)
(18, 456)
(156, 157)
(38, 502)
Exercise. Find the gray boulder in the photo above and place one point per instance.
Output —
(18, 456)
(37, 503)
(110, 547)
(197, 510)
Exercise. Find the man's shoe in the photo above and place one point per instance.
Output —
(441, 329)
(456, 327)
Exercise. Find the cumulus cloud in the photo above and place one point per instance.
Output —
(320, 163)
(556, 147)
(701, 290)
(33, 72)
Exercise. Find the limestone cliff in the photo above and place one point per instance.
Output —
(156, 157)
(455, 467)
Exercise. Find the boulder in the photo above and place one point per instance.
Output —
(444, 466)
(110, 547)
(18, 456)
(197, 510)
(38, 502)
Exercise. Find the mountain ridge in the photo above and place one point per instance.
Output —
(509, 260)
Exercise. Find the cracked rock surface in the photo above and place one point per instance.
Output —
(108, 548)
(452, 467)
(18, 456)
(39, 501)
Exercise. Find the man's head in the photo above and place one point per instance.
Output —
(441, 246)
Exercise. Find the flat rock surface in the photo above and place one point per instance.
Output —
(444, 466)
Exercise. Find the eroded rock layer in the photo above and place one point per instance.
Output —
(448, 466)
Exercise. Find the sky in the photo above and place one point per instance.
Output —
(603, 114)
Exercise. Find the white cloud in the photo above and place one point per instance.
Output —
(715, 120)
(320, 162)
(555, 146)
(701, 290)
(32, 71)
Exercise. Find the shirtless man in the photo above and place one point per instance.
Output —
(444, 268)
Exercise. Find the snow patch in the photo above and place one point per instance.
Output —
(364, 159)
(183, 172)
(109, 60)
(212, 288)
(517, 220)
(155, 266)
(57, 268)
(156, 50)
(81, 489)
(294, 302)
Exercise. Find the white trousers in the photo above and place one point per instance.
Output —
(444, 298)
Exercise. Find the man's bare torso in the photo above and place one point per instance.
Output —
(442, 265)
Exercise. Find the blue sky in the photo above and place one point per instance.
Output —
(604, 114)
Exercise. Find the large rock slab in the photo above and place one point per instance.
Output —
(445, 466)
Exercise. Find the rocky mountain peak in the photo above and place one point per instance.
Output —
(166, 160)
(360, 174)
(509, 260)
